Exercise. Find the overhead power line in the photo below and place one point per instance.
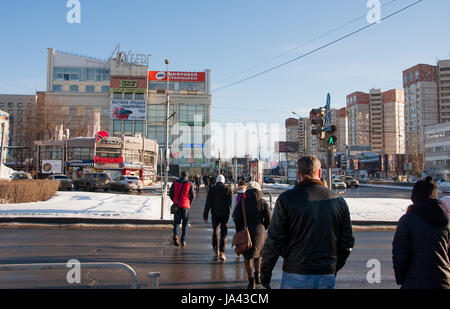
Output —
(300, 46)
(317, 49)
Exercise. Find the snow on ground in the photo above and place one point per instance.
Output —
(91, 205)
(375, 209)
(6, 172)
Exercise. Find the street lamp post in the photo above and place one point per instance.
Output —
(166, 159)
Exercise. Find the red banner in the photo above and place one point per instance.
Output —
(177, 76)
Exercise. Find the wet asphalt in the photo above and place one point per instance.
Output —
(146, 251)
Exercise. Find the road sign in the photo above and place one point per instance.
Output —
(327, 123)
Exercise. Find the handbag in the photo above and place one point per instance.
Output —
(174, 207)
(242, 239)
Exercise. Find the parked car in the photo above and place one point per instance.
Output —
(268, 179)
(127, 183)
(21, 176)
(65, 183)
(93, 181)
(350, 181)
(339, 184)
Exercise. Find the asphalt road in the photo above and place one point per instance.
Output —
(152, 251)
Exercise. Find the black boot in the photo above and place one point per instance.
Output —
(251, 284)
(257, 278)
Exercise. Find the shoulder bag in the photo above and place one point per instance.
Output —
(242, 239)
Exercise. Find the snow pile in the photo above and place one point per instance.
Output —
(6, 172)
(92, 205)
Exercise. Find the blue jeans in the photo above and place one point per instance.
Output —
(182, 216)
(295, 281)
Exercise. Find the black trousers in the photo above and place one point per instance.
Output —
(222, 223)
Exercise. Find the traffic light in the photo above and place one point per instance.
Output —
(217, 164)
(330, 136)
(318, 116)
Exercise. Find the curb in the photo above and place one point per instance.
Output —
(133, 224)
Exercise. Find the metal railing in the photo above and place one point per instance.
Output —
(153, 277)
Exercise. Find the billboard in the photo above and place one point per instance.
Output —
(177, 76)
(51, 166)
(128, 84)
(128, 109)
(287, 147)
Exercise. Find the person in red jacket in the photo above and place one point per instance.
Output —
(181, 191)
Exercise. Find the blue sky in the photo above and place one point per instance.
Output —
(229, 37)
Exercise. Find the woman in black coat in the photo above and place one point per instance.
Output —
(258, 219)
(421, 242)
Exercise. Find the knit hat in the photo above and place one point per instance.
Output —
(253, 185)
(424, 189)
(220, 178)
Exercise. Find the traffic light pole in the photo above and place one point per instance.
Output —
(330, 164)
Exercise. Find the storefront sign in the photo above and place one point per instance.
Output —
(128, 109)
(51, 166)
(128, 84)
(111, 141)
(177, 76)
(87, 163)
(100, 160)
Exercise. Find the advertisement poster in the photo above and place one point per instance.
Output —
(51, 166)
(128, 109)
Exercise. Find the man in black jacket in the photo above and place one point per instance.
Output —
(219, 202)
(311, 230)
(420, 250)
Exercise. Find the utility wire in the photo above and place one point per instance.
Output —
(301, 46)
(315, 50)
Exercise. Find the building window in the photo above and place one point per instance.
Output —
(74, 88)
(80, 153)
(139, 96)
(128, 128)
(159, 133)
(58, 88)
(51, 152)
(105, 89)
(138, 127)
(117, 127)
(157, 112)
(118, 96)
(90, 88)
(128, 96)
(417, 75)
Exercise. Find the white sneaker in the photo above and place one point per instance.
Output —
(223, 257)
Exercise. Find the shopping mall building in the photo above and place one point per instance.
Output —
(124, 97)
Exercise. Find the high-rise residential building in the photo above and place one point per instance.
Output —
(358, 119)
(377, 119)
(297, 132)
(342, 129)
(444, 90)
(394, 121)
(421, 105)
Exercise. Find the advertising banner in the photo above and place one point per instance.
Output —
(128, 84)
(51, 166)
(128, 109)
(177, 76)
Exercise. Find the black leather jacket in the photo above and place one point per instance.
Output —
(310, 229)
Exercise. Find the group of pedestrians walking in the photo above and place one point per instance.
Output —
(311, 229)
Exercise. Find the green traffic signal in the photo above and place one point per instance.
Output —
(332, 140)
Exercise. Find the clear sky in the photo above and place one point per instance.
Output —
(229, 37)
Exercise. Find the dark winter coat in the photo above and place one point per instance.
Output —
(258, 219)
(310, 229)
(420, 249)
(218, 201)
